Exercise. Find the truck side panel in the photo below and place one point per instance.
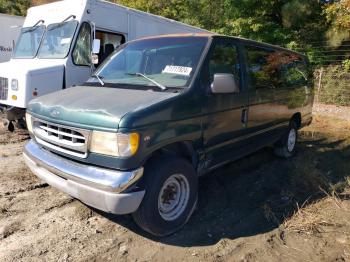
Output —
(10, 27)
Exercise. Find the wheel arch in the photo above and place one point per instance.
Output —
(183, 149)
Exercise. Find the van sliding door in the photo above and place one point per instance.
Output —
(263, 79)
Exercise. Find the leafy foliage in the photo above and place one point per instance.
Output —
(337, 14)
(290, 23)
(334, 88)
(18, 7)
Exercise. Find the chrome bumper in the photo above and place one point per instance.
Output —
(97, 187)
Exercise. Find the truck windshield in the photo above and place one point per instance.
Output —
(57, 40)
(28, 42)
(168, 61)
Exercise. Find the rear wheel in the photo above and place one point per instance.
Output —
(171, 196)
(286, 146)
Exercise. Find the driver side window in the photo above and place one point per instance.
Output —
(224, 59)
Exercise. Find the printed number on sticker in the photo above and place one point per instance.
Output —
(179, 70)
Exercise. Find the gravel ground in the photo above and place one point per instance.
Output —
(340, 112)
(247, 211)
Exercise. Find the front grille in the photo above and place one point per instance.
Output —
(65, 139)
(4, 88)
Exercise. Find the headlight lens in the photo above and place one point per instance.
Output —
(14, 84)
(114, 144)
(29, 123)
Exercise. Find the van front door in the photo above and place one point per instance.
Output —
(225, 114)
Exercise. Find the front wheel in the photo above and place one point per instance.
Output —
(286, 146)
(171, 196)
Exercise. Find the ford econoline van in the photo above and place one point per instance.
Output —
(160, 112)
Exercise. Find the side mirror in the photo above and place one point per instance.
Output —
(96, 46)
(224, 84)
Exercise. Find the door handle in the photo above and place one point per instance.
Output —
(244, 117)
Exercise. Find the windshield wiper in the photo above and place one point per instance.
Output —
(34, 27)
(99, 78)
(149, 79)
(61, 23)
(39, 22)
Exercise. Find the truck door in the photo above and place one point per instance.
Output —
(78, 68)
(225, 114)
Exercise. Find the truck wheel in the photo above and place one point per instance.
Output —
(171, 196)
(285, 147)
(10, 126)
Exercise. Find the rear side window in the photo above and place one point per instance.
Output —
(82, 49)
(294, 71)
(275, 68)
(263, 67)
(224, 59)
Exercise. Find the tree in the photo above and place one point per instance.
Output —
(18, 7)
(337, 14)
(291, 23)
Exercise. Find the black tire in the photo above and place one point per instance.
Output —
(158, 171)
(21, 124)
(11, 127)
(284, 147)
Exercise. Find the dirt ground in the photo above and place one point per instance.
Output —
(260, 208)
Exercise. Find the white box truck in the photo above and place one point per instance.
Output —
(54, 49)
(10, 28)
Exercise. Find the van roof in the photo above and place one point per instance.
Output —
(214, 35)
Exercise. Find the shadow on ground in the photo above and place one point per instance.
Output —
(256, 194)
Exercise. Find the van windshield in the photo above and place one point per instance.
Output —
(57, 40)
(168, 61)
(28, 42)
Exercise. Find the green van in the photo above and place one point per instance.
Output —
(160, 112)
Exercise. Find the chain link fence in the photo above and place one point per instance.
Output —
(332, 85)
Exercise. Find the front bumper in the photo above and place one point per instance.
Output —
(96, 187)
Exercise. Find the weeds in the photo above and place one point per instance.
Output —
(317, 177)
(309, 219)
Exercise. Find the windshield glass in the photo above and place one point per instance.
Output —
(28, 42)
(57, 40)
(168, 61)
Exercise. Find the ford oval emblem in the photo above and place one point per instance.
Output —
(54, 113)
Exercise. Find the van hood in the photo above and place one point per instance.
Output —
(93, 107)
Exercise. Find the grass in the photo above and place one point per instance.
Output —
(317, 177)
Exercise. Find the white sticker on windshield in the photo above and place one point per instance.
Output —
(65, 41)
(179, 70)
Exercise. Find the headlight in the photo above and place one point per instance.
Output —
(114, 144)
(29, 123)
(14, 84)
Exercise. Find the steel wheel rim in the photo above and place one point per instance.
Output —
(292, 137)
(173, 197)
